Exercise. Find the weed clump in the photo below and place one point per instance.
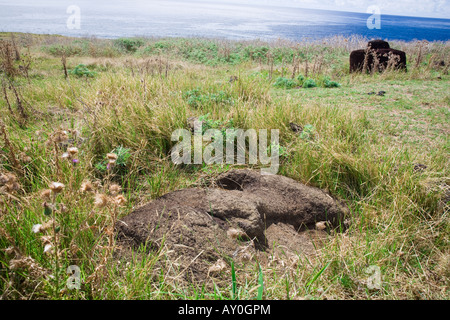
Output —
(309, 83)
(58, 50)
(128, 45)
(300, 81)
(82, 71)
(285, 83)
(327, 83)
(308, 132)
(196, 98)
(116, 161)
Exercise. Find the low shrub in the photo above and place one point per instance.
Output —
(82, 71)
(309, 83)
(128, 45)
(327, 83)
(285, 83)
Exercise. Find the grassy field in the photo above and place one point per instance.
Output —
(115, 104)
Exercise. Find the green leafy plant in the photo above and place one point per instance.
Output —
(195, 98)
(59, 50)
(82, 71)
(278, 149)
(128, 45)
(308, 132)
(257, 53)
(309, 83)
(208, 123)
(120, 165)
(327, 83)
(285, 83)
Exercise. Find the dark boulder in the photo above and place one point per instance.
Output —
(378, 44)
(357, 60)
(377, 55)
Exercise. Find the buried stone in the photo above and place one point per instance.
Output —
(193, 222)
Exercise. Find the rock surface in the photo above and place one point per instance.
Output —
(193, 223)
(383, 53)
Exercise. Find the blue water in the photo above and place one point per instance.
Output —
(170, 18)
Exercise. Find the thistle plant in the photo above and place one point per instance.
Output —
(50, 229)
(107, 201)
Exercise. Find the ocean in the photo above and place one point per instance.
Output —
(114, 19)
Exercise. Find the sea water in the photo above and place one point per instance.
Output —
(215, 19)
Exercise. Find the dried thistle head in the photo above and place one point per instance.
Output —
(56, 187)
(36, 228)
(47, 225)
(97, 184)
(74, 132)
(48, 248)
(46, 194)
(12, 251)
(101, 200)
(9, 182)
(16, 264)
(120, 200)
(12, 187)
(234, 233)
(219, 266)
(114, 189)
(48, 206)
(3, 179)
(12, 177)
(29, 264)
(23, 157)
(60, 136)
(112, 158)
(321, 225)
(87, 186)
(72, 151)
(8, 178)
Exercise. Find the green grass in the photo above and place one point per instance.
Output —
(360, 147)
